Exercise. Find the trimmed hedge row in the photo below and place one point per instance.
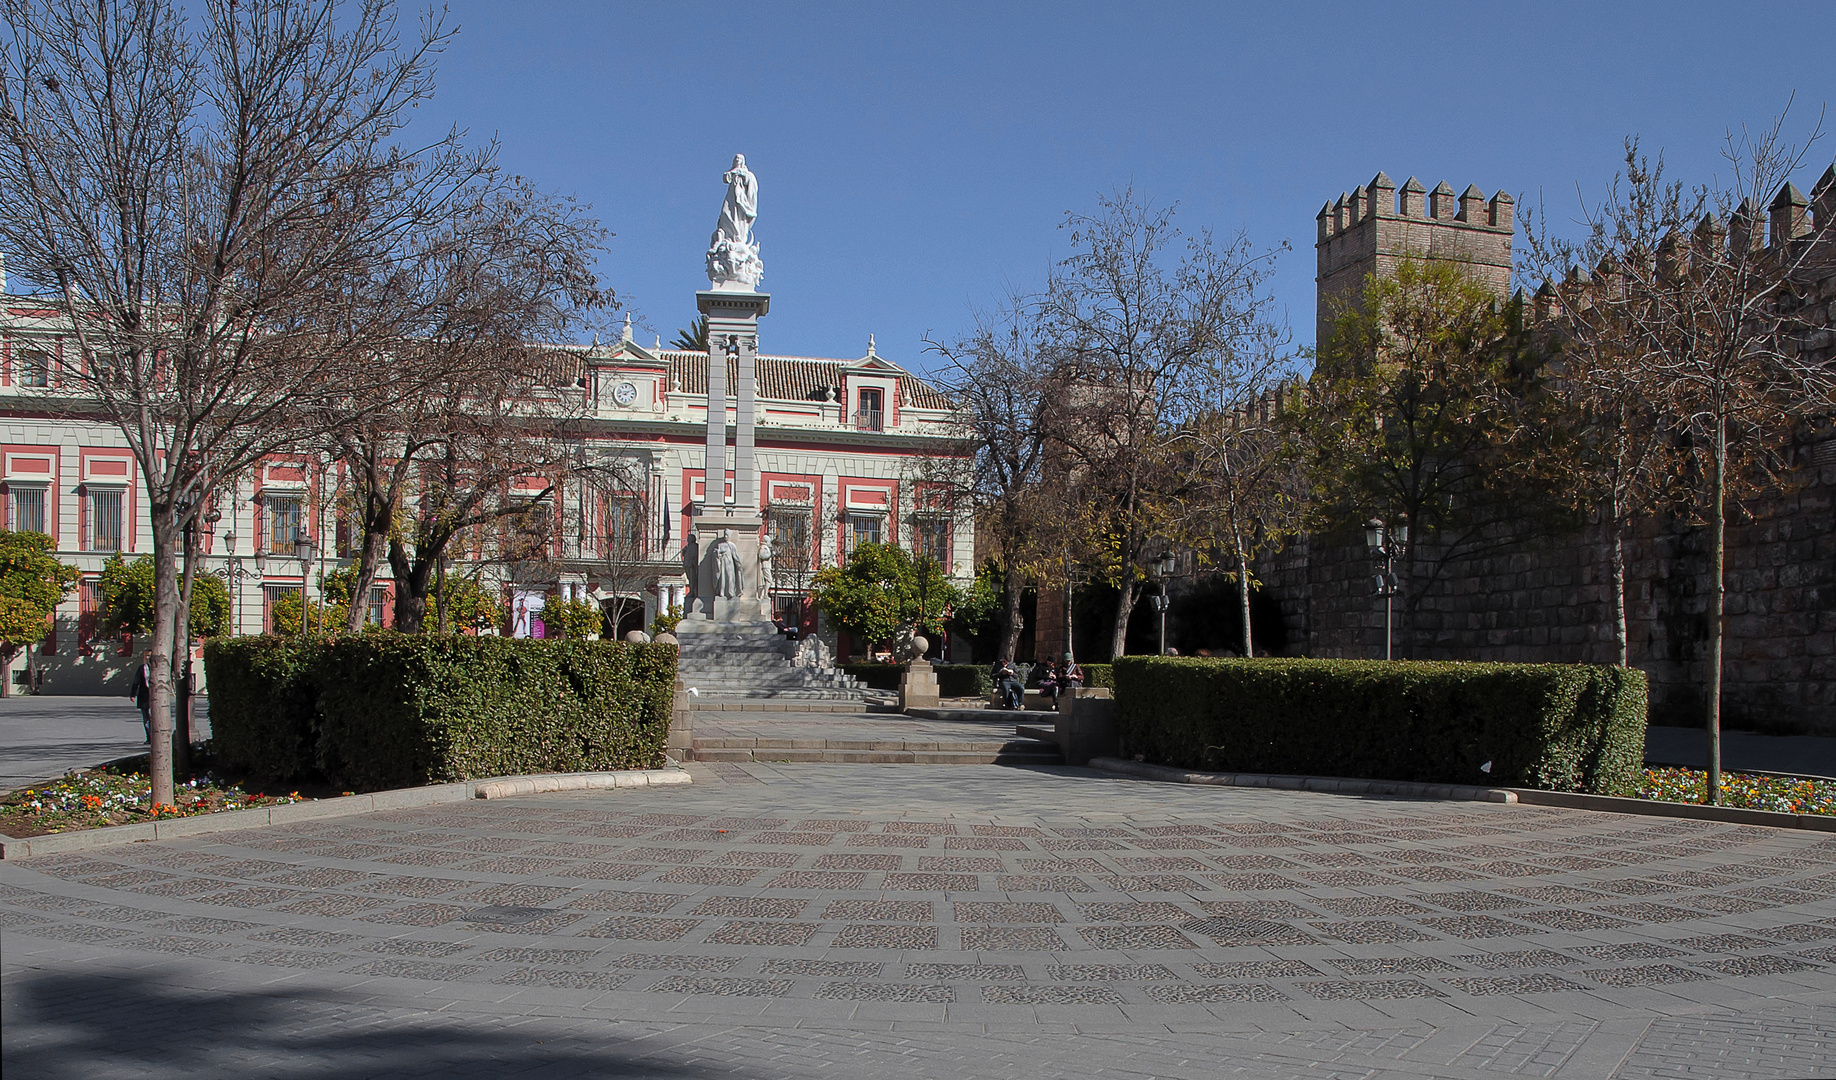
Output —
(386, 710)
(1561, 727)
(953, 680)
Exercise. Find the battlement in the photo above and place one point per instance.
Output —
(1366, 230)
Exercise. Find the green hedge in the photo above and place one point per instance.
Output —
(1562, 727)
(1099, 675)
(385, 710)
(953, 680)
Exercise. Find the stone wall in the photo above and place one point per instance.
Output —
(1546, 600)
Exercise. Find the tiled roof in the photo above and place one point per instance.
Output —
(792, 378)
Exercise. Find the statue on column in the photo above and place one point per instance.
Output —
(728, 580)
(764, 565)
(733, 256)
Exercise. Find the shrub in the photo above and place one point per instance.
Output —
(964, 680)
(382, 711)
(1099, 675)
(1563, 727)
(876, 676)
(263, 705)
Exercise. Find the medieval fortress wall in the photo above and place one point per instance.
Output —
(1546, 599)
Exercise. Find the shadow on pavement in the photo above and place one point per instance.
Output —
(76, 1025)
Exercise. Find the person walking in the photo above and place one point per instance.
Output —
(142, 693)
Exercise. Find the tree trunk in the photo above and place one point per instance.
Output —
(1616, 554)
(445, 605)
(6, 669)
(1012, 588)
(1125, 607)
(1243, 590)
(367, 560)
(410, 590)
(1717, 603)
(181, 660)
(165, 620)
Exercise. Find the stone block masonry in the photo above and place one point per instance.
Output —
(1546, 598)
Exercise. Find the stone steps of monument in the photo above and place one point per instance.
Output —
(892, 752)
(799, 693)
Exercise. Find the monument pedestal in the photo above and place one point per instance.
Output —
(918, 688)
(753, 602)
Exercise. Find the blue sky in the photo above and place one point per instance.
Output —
(915, 160)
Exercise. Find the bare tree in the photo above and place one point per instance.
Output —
(1131, 321)
(507, 266)
(1003, 386)
(1609, 447)
(208, 200)
(1711, 299)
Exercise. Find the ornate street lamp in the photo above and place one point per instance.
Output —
(1386, 543)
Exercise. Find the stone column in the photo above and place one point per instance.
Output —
(745, 483)
(715, 467)
(733, 320)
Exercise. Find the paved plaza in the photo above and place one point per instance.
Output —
(836, 920)
(44, 737)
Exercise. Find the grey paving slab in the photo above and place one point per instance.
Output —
(45, 737)
(861, 920)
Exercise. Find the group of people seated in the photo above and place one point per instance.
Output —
(1010, 689)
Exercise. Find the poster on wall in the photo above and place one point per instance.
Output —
(526, 615)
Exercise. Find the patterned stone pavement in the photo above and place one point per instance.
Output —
(873, 920)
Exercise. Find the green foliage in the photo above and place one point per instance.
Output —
(574, 618)
(875, 676)
(1562, 727)
(263, 705)
(878, 593)
(470, 606)
(380, 711)
(338, 585)
(32, 582)
(694, 339)
(1414, 408)
(978, 610)
(1099, 675)
(322, 618)
(666, 621)
(953, 680)
(126, 607)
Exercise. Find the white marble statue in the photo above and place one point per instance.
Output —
(733, 256)
(728, 581)
(764, 563)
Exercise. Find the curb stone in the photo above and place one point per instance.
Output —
(1330, 784)
(1612, 804)
(1658, 808)
(343, 806)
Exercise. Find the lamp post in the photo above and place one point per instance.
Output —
(1163, 568)
(1384, 542)
(302, 550)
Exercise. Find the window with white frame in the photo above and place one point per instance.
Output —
(285, 514)
(863, 529)
(104, 519)
(379, 599)
(34, 368)
(933, 539)
(25, 508)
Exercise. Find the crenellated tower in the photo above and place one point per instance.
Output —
(1366, 231)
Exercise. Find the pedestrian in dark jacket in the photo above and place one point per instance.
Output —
(142, 693)
(1007, 685)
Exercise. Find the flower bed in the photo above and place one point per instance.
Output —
(1745, 791)
(94, 798)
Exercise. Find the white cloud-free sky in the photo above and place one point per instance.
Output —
(915, 160)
